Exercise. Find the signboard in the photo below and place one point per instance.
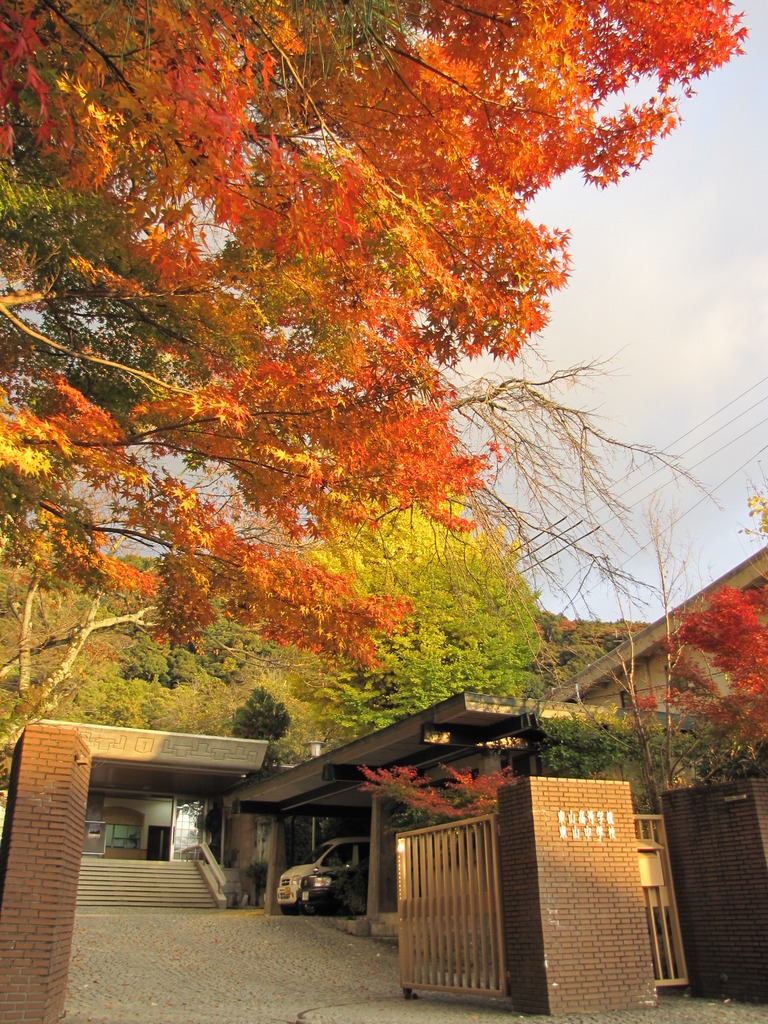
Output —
(95, 838)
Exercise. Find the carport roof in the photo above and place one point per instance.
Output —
(449, 731)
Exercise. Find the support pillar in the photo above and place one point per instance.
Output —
(277, 862)
(382, 870)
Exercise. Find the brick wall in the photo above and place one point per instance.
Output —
(39, 870)
(575, 924)
(718, 840)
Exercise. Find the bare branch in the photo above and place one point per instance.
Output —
(560, 475)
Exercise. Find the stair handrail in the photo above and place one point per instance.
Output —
(208, 857)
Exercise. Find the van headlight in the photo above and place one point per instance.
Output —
(319, 882)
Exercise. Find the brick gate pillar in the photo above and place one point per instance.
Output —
(574, 914)
(39, 870)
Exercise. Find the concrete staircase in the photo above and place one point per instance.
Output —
(142, 883)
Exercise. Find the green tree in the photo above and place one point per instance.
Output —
(206, 705)
(469, 626)
(262, 717)
(110, 699)
(146, 658)
(596, 745)
(567, 646)
(599, 743)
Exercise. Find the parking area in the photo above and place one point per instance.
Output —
(239, 967)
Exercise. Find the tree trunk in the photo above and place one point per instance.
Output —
(39, 700)
(646, 754)
(25, 637)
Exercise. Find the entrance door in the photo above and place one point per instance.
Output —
(188, 825)
(159, 842)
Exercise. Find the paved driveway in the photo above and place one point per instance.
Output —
(239, 967)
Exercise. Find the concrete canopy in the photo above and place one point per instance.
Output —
(140, 762)
(448, 732)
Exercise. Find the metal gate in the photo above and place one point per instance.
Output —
(660, 907)
(449, 908)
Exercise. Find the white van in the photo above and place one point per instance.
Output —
(344, 852)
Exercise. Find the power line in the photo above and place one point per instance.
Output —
(679, 473)
(715, 413)
(728, 424)
(661, 469)
(701, 462)
(682, 515)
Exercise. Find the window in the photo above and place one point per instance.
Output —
(124, 837)
(340, 856)
(189, 826)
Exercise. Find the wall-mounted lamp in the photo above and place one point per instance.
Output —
(315, 748)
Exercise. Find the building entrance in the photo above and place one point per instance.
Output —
(158, 842)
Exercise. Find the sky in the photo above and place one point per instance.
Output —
(669, 281)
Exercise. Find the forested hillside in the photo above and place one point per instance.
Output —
(567, 646)
(465, 629)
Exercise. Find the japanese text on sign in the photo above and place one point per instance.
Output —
(589, 825)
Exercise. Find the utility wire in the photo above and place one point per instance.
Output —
(678, 519)
(676, 473)
(714, 433)
(701, 462)
(687, 451)
(715, 413)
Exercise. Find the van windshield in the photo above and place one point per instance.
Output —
(318, 852)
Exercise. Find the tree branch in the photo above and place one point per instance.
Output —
(147, 378)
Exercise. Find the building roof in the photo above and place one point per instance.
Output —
(752, 572)
(141, 761)
(445, 733)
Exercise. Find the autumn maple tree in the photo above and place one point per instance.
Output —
(246, 245)
(724, 664)
(451, 796)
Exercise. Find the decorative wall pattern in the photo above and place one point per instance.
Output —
(171, 748)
